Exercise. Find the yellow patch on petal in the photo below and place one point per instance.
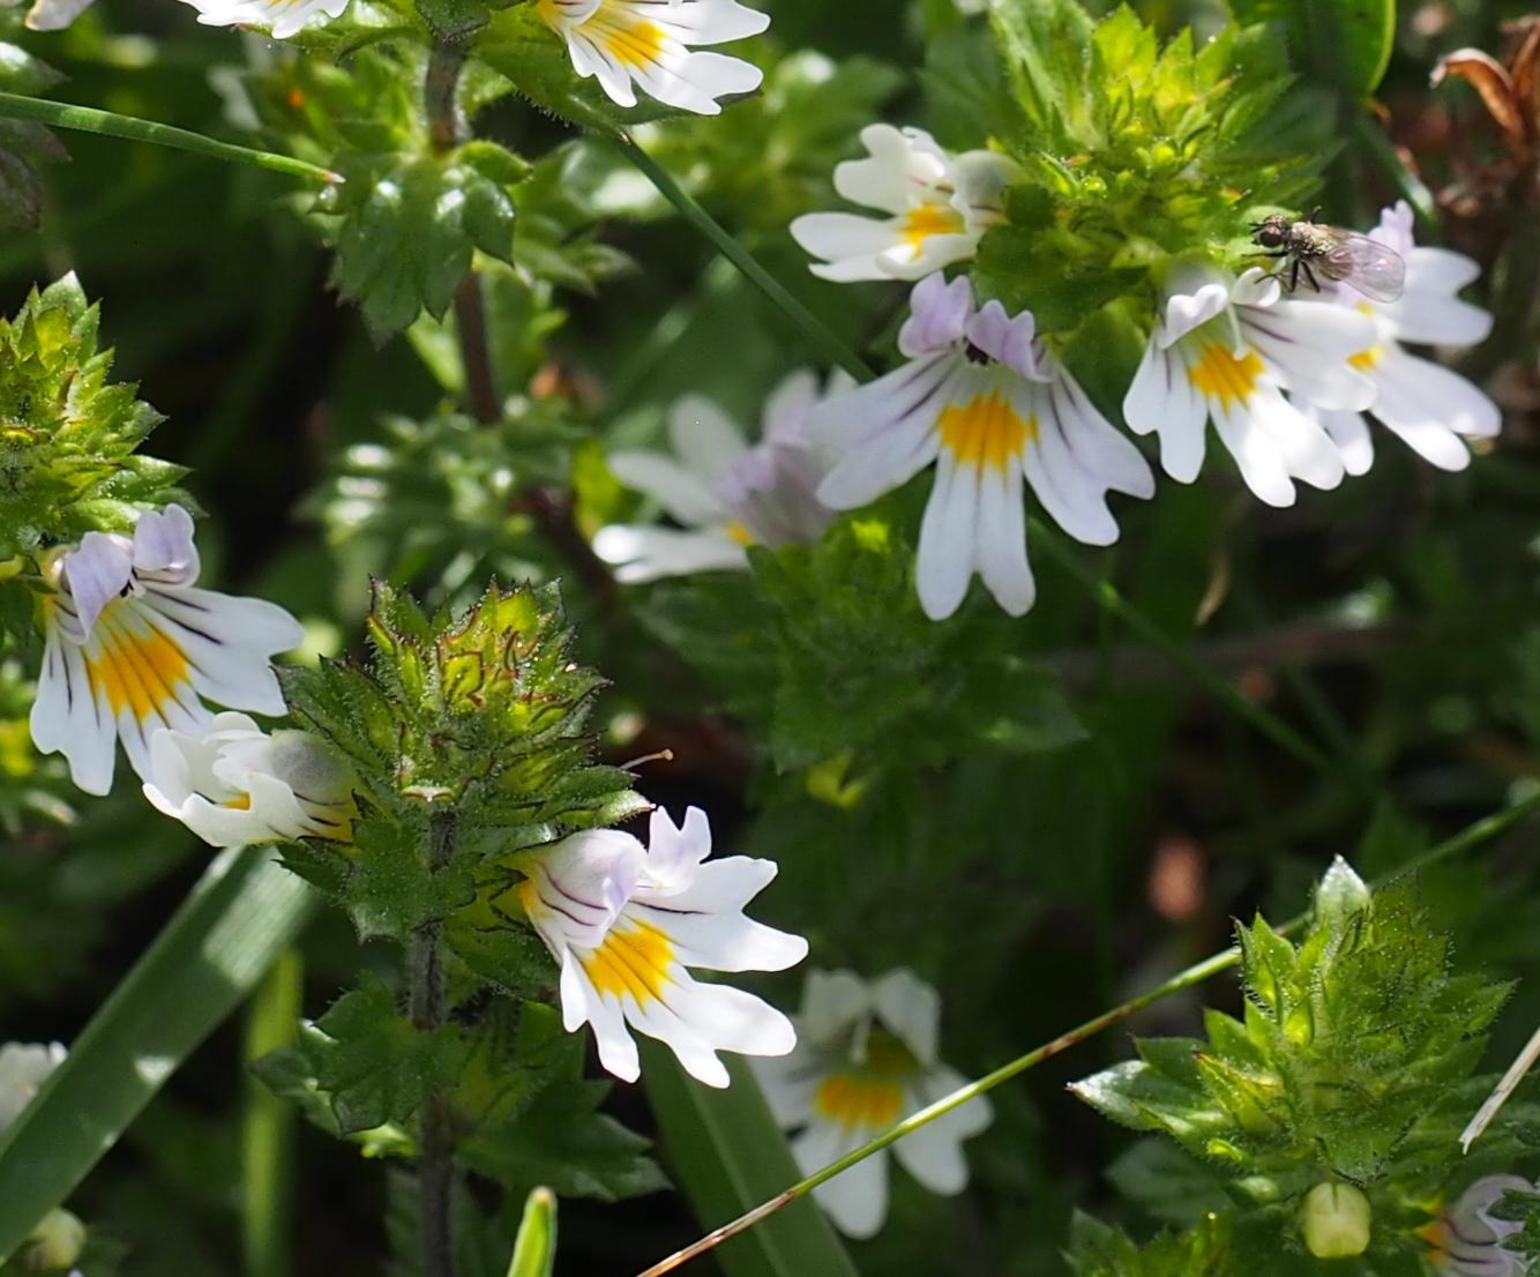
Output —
(931, 219)
(631, 41)
(1367, 360)
(987, 432)
(241, 802)
(1221, 374)
(854, 1100)
(740, 533)
(632, 962)
(136, 671)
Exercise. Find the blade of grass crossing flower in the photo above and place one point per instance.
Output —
(534, 1253)
(86, 119)
(217, 946)
(764, 1214)
(813, 328)
(727, 1152)
(267, 1135)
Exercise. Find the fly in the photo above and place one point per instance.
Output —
(1311, 248)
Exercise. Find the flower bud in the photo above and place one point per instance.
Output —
(55, 1244)
(1335, 1219)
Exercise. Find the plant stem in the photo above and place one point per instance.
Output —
(85, 119)
(813, 328)
(1473, 835)
(267, 1135)
(435, 1156)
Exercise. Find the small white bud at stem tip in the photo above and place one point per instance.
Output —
(1336, 1221)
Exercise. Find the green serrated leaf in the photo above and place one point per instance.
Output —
(374, 1065)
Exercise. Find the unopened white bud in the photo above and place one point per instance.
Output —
(1336, 1220)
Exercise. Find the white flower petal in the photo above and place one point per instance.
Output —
(1096, 443)
(1163, 399)
(898, 162)
(1255, 453)
(1306, 450)
(68, 719)
(832, 1001)
(1308, 345)
(912, 1010)
(1001, 551)
(228, 643)
(1428, 405)
(97, 574)
(684, 494)
(788, 1086)
(704, 438)
(948, 534)
(1350, 433)
(886, 431)
(933, 1154)
(644, 554)
(856, 1199)
(164, 551)
(938, 316)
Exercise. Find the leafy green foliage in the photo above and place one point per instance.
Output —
(1096, 1250)
(1133, 154)
(24, 146)
(827, 671)
(67, 434)
(409, 215)
(375, 1066)
(1342, 43)
(536, 1120)
(1348, 1064)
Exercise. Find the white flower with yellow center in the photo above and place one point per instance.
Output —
(24, 1067)
(1225, 351)
(865, 1060)
(938, 207)
(625, 923)
(984, 398)
(279, 18)
(725, 494)
(648, 43)
(1467, 1240)
(1431, 408)
(132, 648)
(235, 784)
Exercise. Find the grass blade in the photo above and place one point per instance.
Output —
(87, 119)
(216, 947)
(728, 1155)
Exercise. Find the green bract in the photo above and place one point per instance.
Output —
(1352, 1065)
(67, 434)
(1132, 154)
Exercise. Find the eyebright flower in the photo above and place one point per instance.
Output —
(235, 784)
(726, 494)
(1468, 1242)
(982, 394)
(938, 205)
(132, 646)
(649, 42)
(280, 18)
(865, 1060)
(625, 922)
(24, 1066)
(1429, 406)
(1225, 351)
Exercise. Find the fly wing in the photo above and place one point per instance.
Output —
(1379, 273)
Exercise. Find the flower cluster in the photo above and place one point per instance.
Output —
(866, 1058)
(1286, 380)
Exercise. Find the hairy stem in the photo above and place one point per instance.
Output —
(1473, 835)
(435, 1158)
